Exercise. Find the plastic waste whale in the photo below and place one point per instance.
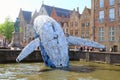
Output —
(53, 44)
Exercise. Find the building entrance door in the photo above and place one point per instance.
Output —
(115, 48)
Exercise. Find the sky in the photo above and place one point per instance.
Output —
(11, 8)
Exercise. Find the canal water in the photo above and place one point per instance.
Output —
(79, 70)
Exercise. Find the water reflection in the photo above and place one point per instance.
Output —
(77, 71)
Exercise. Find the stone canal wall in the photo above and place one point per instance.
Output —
(9, 56)
(102, 57)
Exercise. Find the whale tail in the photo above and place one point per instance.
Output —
(28, 49)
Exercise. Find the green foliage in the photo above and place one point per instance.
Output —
(7, 28)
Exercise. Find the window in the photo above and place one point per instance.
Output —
(87, 24)
(111, 2)
(119, 1)
(76, 32)
(119, 13)
(0, 44)
(101, 34)
(84, 16)
(71, 24)
(76, 24)
(101, 3)
(82, 32)
(62, 24)
(71, 32)
(65, 30)
(101, 16)
(111, 34)
(87, 34)
(119, 33)
(83, 24)
(111, 14)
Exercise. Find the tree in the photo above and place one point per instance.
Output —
(7, 28)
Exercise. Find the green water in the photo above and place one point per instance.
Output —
(77, 71)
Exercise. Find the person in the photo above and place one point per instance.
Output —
(17, 25)
(111, 49)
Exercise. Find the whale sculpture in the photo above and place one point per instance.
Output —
(52, 42)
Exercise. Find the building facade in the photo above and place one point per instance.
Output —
(79, 24)
(85, 27)
(26, 28)
(106, 23)
(74, 23)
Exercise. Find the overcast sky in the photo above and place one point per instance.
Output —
(11, 8)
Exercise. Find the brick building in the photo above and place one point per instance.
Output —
(106, 23)
(79, 24)
(59, 14)
(85, 26)
(74, 23)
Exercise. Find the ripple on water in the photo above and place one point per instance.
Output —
(77, 71)
(14, 71)
(8, 75)
(89, 78)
